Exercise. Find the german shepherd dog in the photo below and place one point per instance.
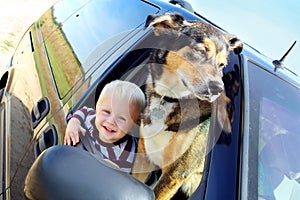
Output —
(184, 82)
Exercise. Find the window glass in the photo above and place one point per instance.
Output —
(70, 40)
(274, 136)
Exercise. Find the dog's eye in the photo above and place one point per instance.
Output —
(200, 48)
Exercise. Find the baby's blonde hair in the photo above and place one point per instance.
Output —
(125, 89)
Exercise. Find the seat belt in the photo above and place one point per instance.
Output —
(85, 143)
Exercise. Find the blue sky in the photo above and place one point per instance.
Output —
(269, 26)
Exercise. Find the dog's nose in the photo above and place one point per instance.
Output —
(215, 87)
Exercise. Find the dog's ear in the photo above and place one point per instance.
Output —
(222, 114)
(235, 44)
(160, 22)
(210, 47)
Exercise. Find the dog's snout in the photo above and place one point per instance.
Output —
(216, 87)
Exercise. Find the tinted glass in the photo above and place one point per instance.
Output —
(274, 136)
(70, 40)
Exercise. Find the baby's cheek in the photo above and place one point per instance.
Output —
(98, 122)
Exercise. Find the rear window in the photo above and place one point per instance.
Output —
(274, 137)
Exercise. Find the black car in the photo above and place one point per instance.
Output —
(75, 48)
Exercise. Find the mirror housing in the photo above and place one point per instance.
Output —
(66, 172)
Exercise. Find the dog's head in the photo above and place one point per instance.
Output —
(192, 55)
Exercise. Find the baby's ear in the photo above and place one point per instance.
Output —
(161, 22)
(139, 121)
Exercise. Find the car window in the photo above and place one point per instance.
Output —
(274, 137)
(73, 39)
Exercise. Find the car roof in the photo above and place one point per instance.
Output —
(266, 63)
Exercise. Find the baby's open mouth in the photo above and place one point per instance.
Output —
(108, 129)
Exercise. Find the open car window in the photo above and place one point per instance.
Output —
(133, 67)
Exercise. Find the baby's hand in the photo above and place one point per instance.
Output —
(72, 132)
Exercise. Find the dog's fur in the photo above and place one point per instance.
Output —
(185, 79)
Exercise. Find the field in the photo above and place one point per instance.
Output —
(15, 17)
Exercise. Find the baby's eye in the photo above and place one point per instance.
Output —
(105, 112)
(121, 121)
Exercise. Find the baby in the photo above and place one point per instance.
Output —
(108, 127)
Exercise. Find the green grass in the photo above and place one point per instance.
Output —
(8, 43)
(39, 67)
(58, 72)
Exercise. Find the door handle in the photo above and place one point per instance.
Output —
(46, 139)
(39, 111)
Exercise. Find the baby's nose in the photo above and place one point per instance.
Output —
(110, 120)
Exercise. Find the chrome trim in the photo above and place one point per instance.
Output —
(244, 166)
(2, 151)
(7, 144)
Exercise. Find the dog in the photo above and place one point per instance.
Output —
(183, 88)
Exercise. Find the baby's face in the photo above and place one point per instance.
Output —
(115, 117)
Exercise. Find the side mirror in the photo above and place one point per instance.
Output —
(66, 172)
